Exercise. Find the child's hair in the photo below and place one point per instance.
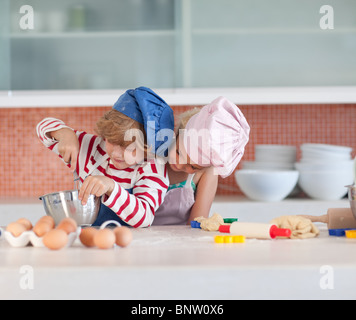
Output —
(185, 116)
(113, 125)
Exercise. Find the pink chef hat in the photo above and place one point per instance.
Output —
(217, 136)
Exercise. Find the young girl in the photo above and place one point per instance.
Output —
(114, 167)
(209, 142)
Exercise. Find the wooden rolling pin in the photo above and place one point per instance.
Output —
(336, 218)
(255, 230)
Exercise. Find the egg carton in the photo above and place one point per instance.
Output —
(29, 237)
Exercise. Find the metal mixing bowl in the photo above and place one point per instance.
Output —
(352, 198)
(63, 204)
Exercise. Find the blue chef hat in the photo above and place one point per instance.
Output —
(147, 108)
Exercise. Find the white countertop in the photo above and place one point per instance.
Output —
(178, 262)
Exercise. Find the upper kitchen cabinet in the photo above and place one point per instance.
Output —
(237, 43)
(117, 44)
(89, 44)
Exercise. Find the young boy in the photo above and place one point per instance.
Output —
(115, 167)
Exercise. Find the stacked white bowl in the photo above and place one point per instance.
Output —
(272, 157)
(325, 170)
(271, 177)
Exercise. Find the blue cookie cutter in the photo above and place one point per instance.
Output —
(338, 232)
(195, 224)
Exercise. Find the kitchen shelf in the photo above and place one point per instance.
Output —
(92, 34)
(269, 31)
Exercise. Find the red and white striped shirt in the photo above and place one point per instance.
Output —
(148, 181)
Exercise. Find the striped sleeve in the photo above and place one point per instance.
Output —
(48, 125)
(138, 209)
(88, 143)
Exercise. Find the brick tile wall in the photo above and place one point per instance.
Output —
(28, 169)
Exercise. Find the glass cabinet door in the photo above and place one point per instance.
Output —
(271, 43)
(73, 44)
(4, 46)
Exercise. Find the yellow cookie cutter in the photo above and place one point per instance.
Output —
(229, 239)
(351, 234)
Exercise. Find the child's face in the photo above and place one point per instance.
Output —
(179, 160)
(122, 157)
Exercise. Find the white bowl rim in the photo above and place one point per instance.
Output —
(321, 171)
(276, 146)
(268, 165)
(325, 147)
(319, 162)
(266, 171)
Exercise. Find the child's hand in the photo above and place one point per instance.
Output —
(97, 185)
(68, 146)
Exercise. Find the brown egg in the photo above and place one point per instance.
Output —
(87, 236)
(27, 223)
(41, 228)
(49, 220)
(16, 228)
(68, 225)
(123, 236)
(55, 239)
(104, 239)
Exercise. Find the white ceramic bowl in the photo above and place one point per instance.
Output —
(325, 185)
(275, 153)
(324, 153)
(326, 148)
(254, 165)
(308, 159)
(266, 185)
(321, 156)
(325, 166)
